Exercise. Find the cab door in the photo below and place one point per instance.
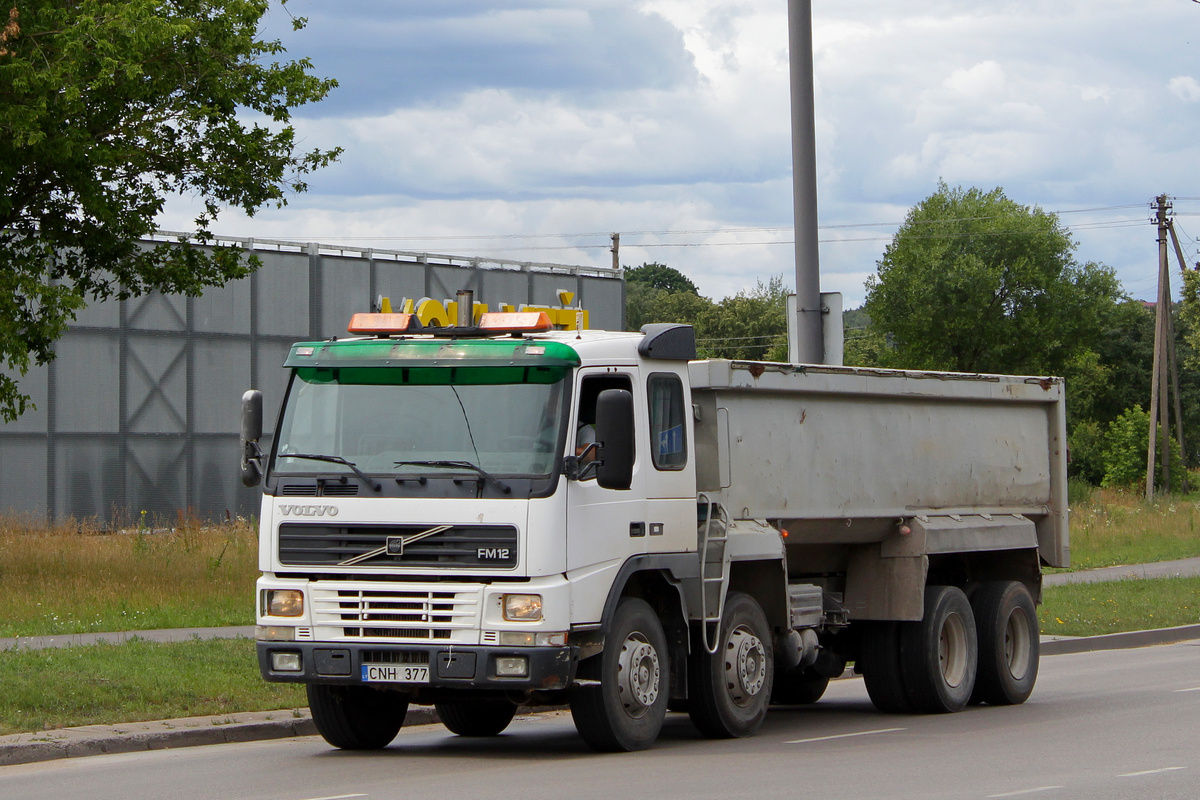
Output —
(604, 526)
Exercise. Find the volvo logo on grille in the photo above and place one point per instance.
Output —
(395, 545)
(308, 511)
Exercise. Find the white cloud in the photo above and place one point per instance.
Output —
(546, 116)
(1185, 88)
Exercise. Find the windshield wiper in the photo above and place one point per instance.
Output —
(487, 476)
(374, 484)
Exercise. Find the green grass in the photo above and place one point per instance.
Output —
(1091, 609)
(1109, 528)
(135, 681)
(77, 579)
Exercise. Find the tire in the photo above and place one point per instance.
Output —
(939, 654)
(798, 687)
(623, 707)
(1006, 622)
(476, 717)
(729, 691)
(356, 717)
(879, 663)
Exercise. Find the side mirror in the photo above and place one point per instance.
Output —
(614, 433)
(252, 416)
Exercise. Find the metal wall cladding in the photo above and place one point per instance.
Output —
(140, 410)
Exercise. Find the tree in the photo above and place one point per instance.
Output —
(106, 109)
(660, 276)
(749, 325)
(974, 282)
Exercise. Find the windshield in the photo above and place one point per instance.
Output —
(504, 420)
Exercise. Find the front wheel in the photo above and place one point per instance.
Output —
(622, 700)
(476, 717)
(1006, 619)
(729, 690)
(356, 717)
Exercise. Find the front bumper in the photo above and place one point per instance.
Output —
(463, 667)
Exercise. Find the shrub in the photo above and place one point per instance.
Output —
(1125, 447)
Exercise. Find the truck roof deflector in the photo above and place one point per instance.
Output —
(668, 340)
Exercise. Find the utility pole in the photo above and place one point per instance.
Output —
(1158, 380)
(810, 334)
(616, 250)
(1173, 362)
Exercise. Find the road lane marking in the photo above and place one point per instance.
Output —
(337, 797)
(1023, 791)
(844, 736)
(1193, 689)
(1149, 772)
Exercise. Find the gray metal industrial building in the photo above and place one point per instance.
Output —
(140, 410)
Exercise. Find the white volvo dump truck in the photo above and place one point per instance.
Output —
(502, 514)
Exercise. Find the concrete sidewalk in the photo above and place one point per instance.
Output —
(24, 748)
(1183, 568)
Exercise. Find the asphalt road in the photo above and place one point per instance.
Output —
(1114, 724)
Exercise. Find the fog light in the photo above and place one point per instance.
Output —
(275, 633)
(512, 667)
(522, 607)
(285, 603)
(285, 662)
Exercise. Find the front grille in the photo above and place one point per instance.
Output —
(319, 489)
(394, 657)
(303, 545)
(401, 613)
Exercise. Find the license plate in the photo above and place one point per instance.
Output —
(395, 673)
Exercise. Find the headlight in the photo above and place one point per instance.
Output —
(522, 607)
(284, 603)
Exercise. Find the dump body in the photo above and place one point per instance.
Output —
(838, 454)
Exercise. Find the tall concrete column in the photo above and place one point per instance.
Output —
(810, 339)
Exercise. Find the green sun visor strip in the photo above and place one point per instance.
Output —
(426, 361)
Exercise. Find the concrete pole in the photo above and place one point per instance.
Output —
(810, 337)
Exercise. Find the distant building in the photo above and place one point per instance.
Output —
(140, 410)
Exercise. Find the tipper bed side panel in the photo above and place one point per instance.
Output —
(852, 445)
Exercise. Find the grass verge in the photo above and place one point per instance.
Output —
(135, 681)
(1093, 609)
(1110, 527)
(75, 578)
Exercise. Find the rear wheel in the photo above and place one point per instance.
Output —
(476, 717)
(623, 705)
(938, 655)
(356, 717)
(729, 690)
(1006, 620)
(879, 663)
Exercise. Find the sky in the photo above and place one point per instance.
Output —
(533, 130)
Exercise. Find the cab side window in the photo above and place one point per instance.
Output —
(585, 425)
(668, 442)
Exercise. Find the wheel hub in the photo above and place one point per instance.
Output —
(638, 674)
(952, 650)
(745, 665)
(1017, 644)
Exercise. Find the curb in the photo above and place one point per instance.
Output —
(136, 737)
(91, 740)
(1119, 641)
